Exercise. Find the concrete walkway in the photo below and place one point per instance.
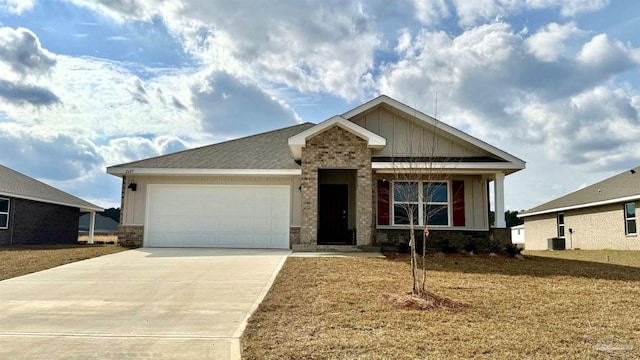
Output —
(139, 304)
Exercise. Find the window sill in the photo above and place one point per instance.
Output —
(632, 235)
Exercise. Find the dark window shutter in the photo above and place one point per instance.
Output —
(458, 202)
(383, 202)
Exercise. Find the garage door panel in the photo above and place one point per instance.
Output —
(218, 216)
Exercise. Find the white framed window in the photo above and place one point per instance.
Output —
(4, 213)
(424, 202)
(560, 225)
(630, 218)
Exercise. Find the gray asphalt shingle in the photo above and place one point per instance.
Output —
(269, 150)
(619, 186)
(15, 184)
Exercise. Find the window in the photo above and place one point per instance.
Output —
(560, 225)
(423, 202)
(4, 213)
(630, 218)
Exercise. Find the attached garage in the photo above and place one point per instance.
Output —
(235, 216)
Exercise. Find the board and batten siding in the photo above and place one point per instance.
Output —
(134, 202)
(400, 133)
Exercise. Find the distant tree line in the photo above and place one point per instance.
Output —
(113, 213)
(511, 218)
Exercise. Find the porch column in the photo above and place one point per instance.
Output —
(498, 200)
(92, 225)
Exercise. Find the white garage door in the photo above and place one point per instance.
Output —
(236, 216)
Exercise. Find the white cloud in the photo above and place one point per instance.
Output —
(16, 6)
(431, 12)
(22, 54)
(317, 47)
(602, 53)
(548, 44)
(471, 13)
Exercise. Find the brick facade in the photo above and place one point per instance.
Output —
(34, 223)
(599, 227)
(456, 240)
(336, 148)
(130, 235)
(294, 235)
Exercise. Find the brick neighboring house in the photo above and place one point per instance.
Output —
(331, 185)
(32, 212)
(600, 216)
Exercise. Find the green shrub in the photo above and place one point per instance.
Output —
(512, 250)
(445, 246)
(494, 246)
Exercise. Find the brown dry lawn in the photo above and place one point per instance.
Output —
(543, 307)
(22, 260)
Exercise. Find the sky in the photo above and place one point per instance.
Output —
(86, 84)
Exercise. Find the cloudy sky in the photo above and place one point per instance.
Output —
(86, 84)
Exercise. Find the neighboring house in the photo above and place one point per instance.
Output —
(600, 216)
(32, 212)
(316, 186)
(517, 234)
(103, 224)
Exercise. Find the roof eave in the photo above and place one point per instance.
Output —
(123, 171)
(82, 207)
(298, 141)
(448, 167)
(580, 206)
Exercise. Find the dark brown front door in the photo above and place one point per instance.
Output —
(333, 212)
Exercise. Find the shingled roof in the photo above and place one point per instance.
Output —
(622, 187)
(269, 150)
(17, 185)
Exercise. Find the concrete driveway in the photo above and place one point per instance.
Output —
(138, 304)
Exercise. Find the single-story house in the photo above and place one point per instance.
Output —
(330, 185)
(32, 212)
(600, 216)
(103, 224)
(517, 234)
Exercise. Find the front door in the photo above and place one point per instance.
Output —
(333, 214)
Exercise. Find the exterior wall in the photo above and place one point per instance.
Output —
(517, 234)
(132, 215)
(33, 222)
(336, 148)
(294, 235)
(539, 229)
(601, 227)
(134, 202)
(400, 130)
(130, 235)
(475, 200)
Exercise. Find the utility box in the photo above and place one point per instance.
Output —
(556, 243)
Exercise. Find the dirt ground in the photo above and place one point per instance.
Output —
(22, 260)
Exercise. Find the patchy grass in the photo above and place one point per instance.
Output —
(22, 260)
(99, 238)
(539, 308)
(617, 257)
